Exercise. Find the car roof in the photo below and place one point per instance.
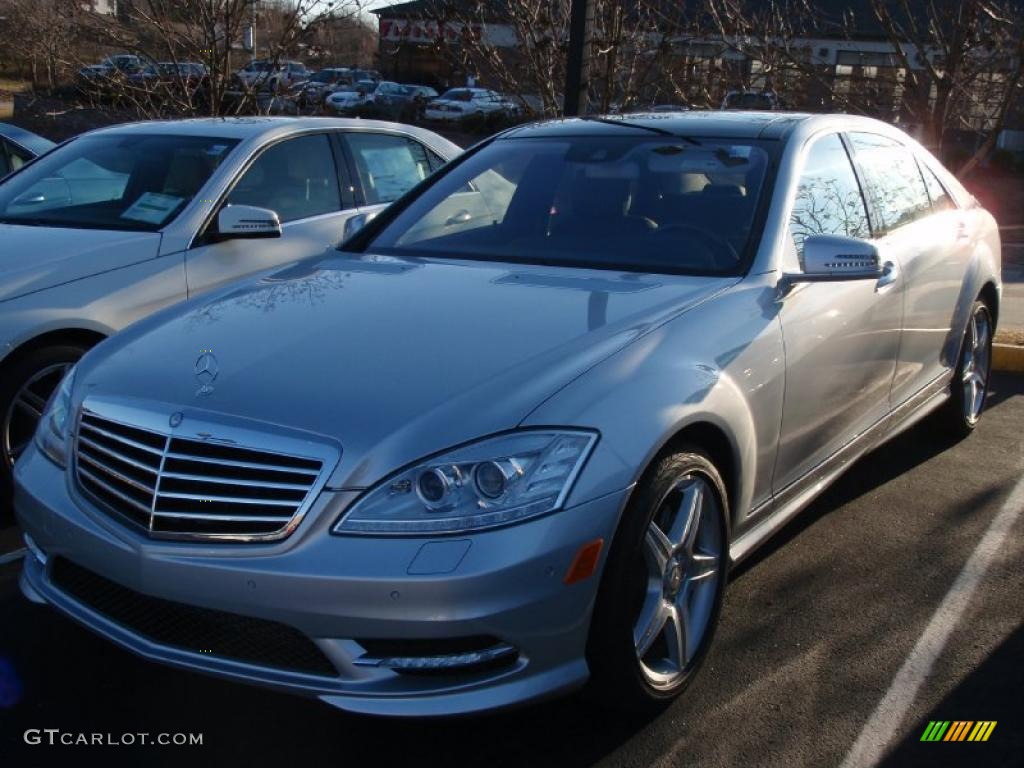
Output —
(259, 128)
(732, 124)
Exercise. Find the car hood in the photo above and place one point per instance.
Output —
(394, 359)
(35, 258)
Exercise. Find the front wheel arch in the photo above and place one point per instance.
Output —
(75, 336)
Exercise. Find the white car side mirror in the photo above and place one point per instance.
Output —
(247, 222)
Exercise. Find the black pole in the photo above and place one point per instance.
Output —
(577, 66)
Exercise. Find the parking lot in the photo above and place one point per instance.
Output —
(817, 626)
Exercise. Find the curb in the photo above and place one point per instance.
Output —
(1008, 358)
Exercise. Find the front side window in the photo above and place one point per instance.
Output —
(828, 198)
(893, 179)
(636, 203)
(388, 166)
(295, 178)
(113, 181)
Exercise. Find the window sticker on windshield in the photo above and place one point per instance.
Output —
(216, 150)
(152, 208)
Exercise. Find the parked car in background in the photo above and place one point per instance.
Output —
(168, 77)
(747, 100)
(289, 75)
(457, 104)
(350, 99)
(259, 75)
(313, 92)
(515, 432)
(391, 101)
(114, 69)
(191, 73)
(123, 62)
(366, 74)
(122, 221)
(420, 96)
(18, 146)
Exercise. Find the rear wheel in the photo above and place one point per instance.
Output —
(970, 382)
(25, 389)
(662, 588)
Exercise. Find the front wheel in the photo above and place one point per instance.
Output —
(974, 368)
(25, 389)
(662, 588)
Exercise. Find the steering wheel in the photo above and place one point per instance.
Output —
(715, 245)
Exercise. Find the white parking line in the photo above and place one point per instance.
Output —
(885, 721)
(10, 557)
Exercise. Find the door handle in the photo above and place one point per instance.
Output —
(890, 272)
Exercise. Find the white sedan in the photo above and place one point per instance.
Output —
(123, 221)
(459, 103)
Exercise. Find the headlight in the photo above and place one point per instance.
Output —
(51, 434)
(493, 482)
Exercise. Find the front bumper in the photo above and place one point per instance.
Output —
(338, 591)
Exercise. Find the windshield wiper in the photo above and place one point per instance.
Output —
(639, 126)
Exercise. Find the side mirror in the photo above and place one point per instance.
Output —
(247, 222)
(355, 223)
(837, 258)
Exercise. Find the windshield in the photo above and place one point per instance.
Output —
(656, 204)
(460, 95)
(120, 182)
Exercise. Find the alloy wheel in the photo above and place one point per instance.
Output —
(682, 553)
(977, 361)
(25, 410)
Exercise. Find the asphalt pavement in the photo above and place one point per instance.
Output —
(816, 626)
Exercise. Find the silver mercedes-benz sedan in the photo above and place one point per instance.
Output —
(122, 221)
(513, 434)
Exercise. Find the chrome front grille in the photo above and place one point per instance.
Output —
(178, 487)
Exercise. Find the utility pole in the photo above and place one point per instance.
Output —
(577, 67)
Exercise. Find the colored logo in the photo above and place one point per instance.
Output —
(958, 730)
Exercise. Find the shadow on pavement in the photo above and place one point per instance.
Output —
(991, 692)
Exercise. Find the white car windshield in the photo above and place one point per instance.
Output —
(118, 182)
(648, 204)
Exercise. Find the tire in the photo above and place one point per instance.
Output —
(635, 665)
(31, 378)
(969, 388)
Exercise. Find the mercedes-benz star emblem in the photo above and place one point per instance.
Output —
(207, 369)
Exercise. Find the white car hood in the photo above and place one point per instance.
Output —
(35, 258)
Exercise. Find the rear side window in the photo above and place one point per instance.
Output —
(388, 166)
(893, 179)
(941, 201)
(828, 198)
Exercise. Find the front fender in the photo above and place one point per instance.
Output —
(719, 365)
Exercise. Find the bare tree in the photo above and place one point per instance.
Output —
(181, 33)
(37, 35)
(963, 62)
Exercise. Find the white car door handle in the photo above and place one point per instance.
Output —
(890, 272)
